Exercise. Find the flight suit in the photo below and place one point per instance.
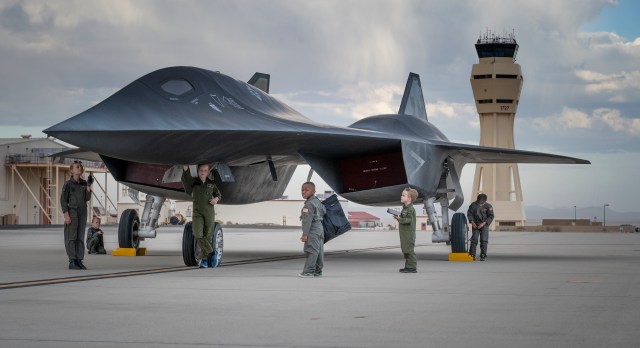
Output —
(74, 200)
(311, 217)
(204, 214)
(95, 241)
(480, 213)
(407, 230)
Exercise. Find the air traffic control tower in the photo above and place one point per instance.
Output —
(496, 82)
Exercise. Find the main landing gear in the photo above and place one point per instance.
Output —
(191, 253)
(454, 234)
(132, 229)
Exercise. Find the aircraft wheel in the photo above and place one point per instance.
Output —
(218, 245)
(190, 251)
(459, 229)
(128, 229)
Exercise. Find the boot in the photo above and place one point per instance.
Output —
(73, 265)
(472, 251)
(80, 264)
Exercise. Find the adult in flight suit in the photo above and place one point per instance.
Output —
(205, 196)
(480, 216)
(312, 232)
(73, 203)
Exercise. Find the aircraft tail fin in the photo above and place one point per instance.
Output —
(260, 81)
(413, 100)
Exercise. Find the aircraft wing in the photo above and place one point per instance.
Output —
(482, 154)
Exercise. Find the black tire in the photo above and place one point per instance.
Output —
(189, 249)
(459, 229)
(128, 229)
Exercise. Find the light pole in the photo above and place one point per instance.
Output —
(575, 214)
(604, 215)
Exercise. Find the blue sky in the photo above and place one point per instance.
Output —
(621, 18)
(339, 61)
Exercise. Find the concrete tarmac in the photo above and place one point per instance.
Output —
(535, 290)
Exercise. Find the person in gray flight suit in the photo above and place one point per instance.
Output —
(95, 237)
(480, 216)
(76, 192)
(312, 232)
(205, 196)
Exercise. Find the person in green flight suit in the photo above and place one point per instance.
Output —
(205, 196)
(407, 229)
(480, 216)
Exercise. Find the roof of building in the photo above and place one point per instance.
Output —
(8, 141)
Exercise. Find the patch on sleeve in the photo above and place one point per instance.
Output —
(305, 210)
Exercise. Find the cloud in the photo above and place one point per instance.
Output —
(629, 82)
(615, 122)
(450, 110)
(568, 119)
(571, 118)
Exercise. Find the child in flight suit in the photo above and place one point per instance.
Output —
(205, 196)
(95, 237)
(407, 229)
(312, 232)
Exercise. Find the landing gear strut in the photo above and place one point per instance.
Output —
(132, 229)
(454, 234)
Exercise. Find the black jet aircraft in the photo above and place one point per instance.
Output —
(186, 115)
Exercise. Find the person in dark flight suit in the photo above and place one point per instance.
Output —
(76, 192)
(480, 216)
(95, 237)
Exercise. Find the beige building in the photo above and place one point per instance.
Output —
(31, 180)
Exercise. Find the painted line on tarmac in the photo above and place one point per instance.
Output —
(54, 281)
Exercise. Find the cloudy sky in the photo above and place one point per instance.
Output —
(337, 61)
